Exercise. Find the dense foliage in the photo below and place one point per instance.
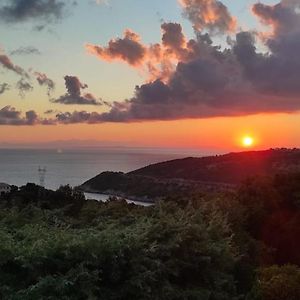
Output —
(229, 245)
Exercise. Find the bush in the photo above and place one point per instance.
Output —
(277, 283)
(163, 252)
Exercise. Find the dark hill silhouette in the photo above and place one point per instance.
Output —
(229, 168)
(194, 174)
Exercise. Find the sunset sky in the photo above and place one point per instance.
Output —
(172, 73)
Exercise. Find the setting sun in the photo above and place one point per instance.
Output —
(248, 141)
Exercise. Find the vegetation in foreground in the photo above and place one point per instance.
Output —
(230, 245)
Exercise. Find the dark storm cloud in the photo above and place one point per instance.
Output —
(16, 11)
(207, 84)
(26, 51)
(211, 81)
(74, 95)
(278, 72)
(3, 88)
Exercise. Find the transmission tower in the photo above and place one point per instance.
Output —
(42, 175)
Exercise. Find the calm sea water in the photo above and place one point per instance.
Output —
(74, 166)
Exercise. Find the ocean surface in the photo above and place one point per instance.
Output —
(104, 198)
(20, 166)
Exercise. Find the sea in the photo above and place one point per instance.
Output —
(75, 166)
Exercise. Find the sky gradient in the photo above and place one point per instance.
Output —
(188, 73)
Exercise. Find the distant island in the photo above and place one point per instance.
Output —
(181, 176)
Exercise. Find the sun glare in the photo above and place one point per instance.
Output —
(248, 141)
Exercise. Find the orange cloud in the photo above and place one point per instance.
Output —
(128, 49)
(157, 60)
(282, 17)
(212, 15)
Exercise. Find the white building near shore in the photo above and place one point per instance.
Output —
(4, 188)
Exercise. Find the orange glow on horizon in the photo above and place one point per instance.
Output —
(225, 134)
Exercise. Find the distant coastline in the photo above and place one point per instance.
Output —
(217, 173)
(71, 166)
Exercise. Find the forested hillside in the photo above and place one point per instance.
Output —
(190, 175)
(238, 245)
(229, 168)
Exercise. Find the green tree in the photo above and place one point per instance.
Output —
(277, 283)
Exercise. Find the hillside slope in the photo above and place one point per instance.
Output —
(195, 174)
(229, 168)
